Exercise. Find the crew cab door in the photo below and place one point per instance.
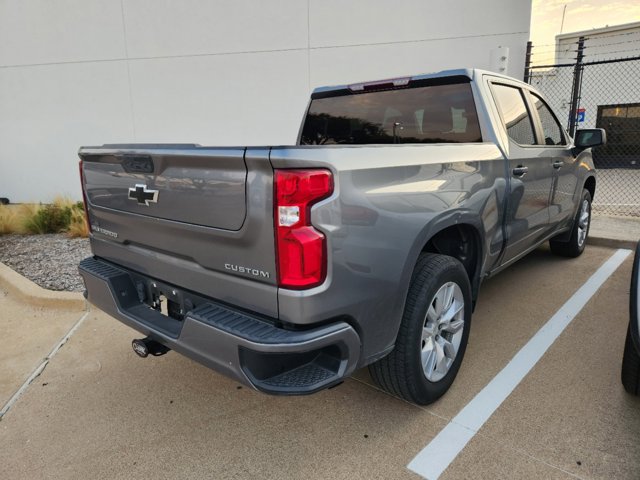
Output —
(556, 150)
(529, 171)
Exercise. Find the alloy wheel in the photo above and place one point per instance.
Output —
(442, 331)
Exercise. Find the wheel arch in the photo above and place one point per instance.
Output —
(444, 236)
(590, 184)
(461, 241)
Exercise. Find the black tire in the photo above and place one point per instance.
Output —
(401, 372)
(631, 356)
(575, 245)
(630, 366)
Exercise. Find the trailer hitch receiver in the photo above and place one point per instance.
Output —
(143, 347)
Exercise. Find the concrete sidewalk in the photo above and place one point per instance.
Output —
(30, 333)
(615, 232)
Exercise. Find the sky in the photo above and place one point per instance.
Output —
(546, 18)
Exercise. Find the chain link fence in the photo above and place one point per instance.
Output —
(601, 93)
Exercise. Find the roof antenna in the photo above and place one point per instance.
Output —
(564, 10)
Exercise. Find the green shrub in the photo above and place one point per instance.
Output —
(49, 219)
(62, 216)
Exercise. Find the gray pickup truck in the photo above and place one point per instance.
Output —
(289, 267)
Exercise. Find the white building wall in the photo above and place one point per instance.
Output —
(225, 72)
(617, 41)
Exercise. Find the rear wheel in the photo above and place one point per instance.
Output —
(631, 356)
(631, 366)
(578, 240)
(433, 333)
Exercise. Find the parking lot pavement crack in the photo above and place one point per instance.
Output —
(40, 368)
(419, 407)
(524, 453)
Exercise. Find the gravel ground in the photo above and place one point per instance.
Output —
(51, 261)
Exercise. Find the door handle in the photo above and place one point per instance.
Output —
(520, 171)
(557, 164)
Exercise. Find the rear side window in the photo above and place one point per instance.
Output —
(514, 114)
(426, 114)
(552, 131)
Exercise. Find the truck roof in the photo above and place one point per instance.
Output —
(470, 73)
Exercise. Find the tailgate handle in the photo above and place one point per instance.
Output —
(137, 164)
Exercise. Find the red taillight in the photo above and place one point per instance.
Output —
(301, 249)
(84, 196)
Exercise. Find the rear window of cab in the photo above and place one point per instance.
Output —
(420, 114)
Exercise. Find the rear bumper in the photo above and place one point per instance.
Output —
(247, 347)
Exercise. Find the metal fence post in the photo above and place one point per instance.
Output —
(527, 63)
(577, 85)
(603, 92)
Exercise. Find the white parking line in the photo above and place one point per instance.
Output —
(445, 447)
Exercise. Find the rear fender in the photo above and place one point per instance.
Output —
(437, 225)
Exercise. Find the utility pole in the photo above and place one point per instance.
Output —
(527, 62)
(577, 86)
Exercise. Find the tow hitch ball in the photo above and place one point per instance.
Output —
(143, 347)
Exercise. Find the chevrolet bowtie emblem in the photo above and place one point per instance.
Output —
(142, 195)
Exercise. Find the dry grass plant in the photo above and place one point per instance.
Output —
(62, 216)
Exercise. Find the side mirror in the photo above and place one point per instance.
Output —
(590, 137)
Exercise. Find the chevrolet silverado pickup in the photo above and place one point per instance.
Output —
(287, 268)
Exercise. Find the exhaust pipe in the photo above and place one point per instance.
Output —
(143, 347)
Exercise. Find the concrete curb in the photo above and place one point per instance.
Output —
(26, 291)
(612, 242)
(614, 232)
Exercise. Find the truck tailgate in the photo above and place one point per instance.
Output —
(199, 186)
(198, 217)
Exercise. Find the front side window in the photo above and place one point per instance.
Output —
(552, 132)
(515, 115)
(422, 114)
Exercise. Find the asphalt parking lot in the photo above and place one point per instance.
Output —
(98, 411)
